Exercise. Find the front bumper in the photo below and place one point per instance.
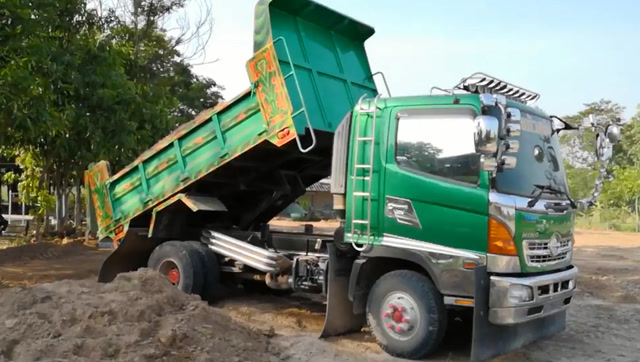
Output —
(549, 294)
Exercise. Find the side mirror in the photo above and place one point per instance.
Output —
(488, 163)
(558, 126)
(513, 114)
(613, 133)
(491, 164)
(486, 135)
(589, 122)
(603, 147)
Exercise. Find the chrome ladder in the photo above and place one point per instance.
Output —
(366, 195)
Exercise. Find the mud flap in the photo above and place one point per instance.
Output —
(339, 318)
(131, 255)
(490, 340)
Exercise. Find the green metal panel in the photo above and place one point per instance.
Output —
(326, 51)
(543, 227)
(450, 215)
(186, 158)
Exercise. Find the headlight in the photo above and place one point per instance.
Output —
(520, 293)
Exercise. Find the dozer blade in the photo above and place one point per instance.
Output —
(339, 318)
(490, 340)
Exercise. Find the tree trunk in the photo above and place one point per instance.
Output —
(60, 210)
(78, 206)
(65, 203)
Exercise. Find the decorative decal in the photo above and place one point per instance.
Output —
(96, 176)
(265, 74)
(402, 211)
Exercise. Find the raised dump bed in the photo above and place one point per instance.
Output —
(261, 149)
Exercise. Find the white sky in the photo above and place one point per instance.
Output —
(454, 136)
(571, 52)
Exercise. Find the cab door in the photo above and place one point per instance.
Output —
(434, 192)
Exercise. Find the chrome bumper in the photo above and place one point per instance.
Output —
(550, 294)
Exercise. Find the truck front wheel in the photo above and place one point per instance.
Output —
(406, 314)
(180, 263)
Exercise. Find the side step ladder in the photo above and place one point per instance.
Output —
(367, 165)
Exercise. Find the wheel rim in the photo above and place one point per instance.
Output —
(400, 316)
(170, 269)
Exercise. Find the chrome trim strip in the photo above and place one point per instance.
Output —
(549, 249)
(406, 243)
(520, 203)
(511, 316)
(452, 301)
(503, 209)
(504, 311)
(503, 264)
(499, 284)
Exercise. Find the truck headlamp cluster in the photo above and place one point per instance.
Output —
(483, 83)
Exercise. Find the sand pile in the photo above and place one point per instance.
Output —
(137, 317)
(44, 250)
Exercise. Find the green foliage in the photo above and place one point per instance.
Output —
(419, 155)
(30, 182)
(579, 146)
(580, 180)
(77, 86)
(608, 218)
(616, 206)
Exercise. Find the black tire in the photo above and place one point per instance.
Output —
(426, 335)
(211, 287)
(178, 255)
(345, 247)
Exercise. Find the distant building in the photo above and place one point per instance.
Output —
(315, 204)
(5, 189)
(318, 196)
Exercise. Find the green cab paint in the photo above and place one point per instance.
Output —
(534, 226)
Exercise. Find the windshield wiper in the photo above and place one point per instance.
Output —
(542, 188)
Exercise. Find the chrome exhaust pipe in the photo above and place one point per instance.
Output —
(246, 253)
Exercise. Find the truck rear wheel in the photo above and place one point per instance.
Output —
(211, 286)
(406, 314)
(180, 263)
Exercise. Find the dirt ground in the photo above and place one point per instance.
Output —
(79, 319)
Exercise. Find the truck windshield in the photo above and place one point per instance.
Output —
(539, 161)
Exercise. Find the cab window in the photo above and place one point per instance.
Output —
(438, 143)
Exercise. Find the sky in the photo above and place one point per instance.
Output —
(453, 137)
(571, 52)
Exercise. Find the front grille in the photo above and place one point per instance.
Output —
(538, 253)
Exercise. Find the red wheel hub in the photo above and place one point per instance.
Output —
(397, 316)
(174, 276)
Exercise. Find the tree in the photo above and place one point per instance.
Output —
(627, 152)
(78, 86)
(625, 187)
(35, 94)
(578, 146)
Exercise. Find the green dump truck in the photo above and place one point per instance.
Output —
(454, 202)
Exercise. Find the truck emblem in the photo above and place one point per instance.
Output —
(554, 245)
